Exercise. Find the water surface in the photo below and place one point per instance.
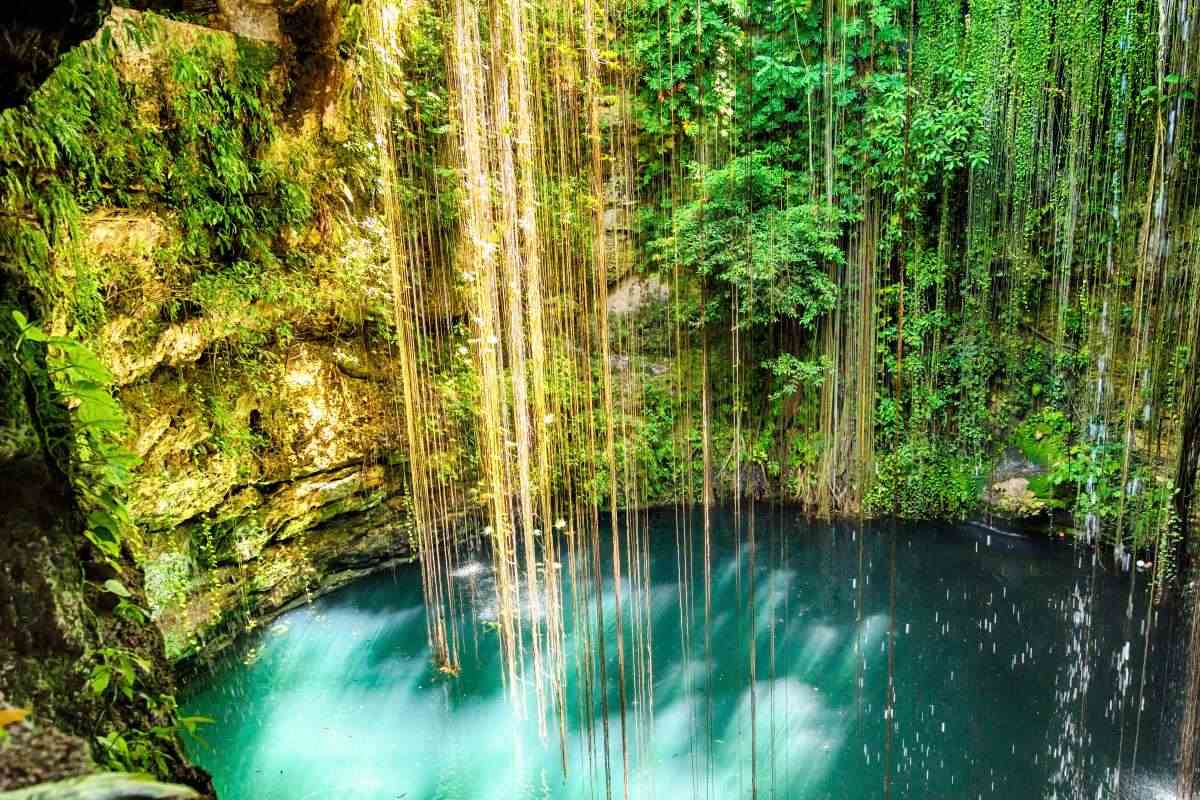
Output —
(1016, 665)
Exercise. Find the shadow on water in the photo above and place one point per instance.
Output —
(1016, 672)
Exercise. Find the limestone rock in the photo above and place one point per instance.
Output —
(1009, 492)
(1014, 497)
(635, 293)
(254, 19)
(223, 601)
(265, 423)
(31, 753)
(619, 209)
(52, 622)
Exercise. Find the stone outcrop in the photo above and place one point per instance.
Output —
(635, 293)
(1009, 493)
(54, 618)
(268, 470)
(103, 786)
(256, 487)
(1014, 497)
(265, 422)
(38, 753)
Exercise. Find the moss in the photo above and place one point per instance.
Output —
(1043, 439)
(167, 577)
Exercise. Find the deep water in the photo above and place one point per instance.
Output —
(1017, 674)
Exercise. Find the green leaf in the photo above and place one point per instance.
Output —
(100, 679)
(101, 520)
(104, 542)
(190, 724)
(30, 331)
(116, 587)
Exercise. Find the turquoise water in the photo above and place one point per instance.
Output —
(1017, 673)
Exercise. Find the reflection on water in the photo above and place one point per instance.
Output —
(1015, 669)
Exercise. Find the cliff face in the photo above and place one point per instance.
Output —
(264, 422)
(285, 491)
(221, 256)
(207, 228)
(203, 225)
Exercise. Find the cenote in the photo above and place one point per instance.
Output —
(1017, 674)
(600, 399)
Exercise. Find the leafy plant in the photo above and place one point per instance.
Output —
(116, 672)
(125, 609)
(90, 449)
(767, 251)
(793, 373)
(919, 480)
(150, 751)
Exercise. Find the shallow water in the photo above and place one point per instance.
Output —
(1017, 674)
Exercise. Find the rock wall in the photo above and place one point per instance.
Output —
(268, 476)
(264, 419)
(257, 385)
(255, 378)
(233, 530)
(54, 620)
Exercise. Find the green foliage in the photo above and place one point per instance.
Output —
(760, 450)
(920, 480)
(116, 672)
(656, 449)
(1119, 498)
(187, 132)
(125, 609)
(137, 751)
(218, 110)
(457, 391)
(796, 159)
(1043, 437)
(87, 443)
(187, 128)
(937, 124)
(150, 751)
(767, 251)
(85, 140)
(166, 579)
(683, 50)
(123, 678)
(413, 77)
(1092, 472)
(1149, 516)
(793, 374)
(210, 543)
(231, 431)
